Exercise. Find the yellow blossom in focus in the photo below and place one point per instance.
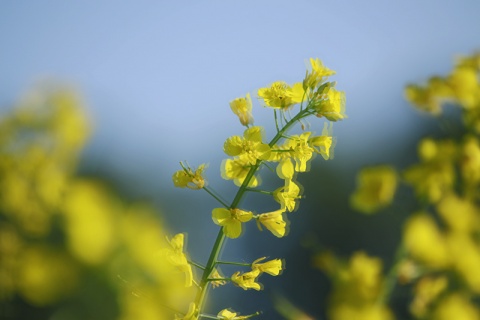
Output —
(287, 195)
(375, 189)
(425, 242)
(247, 280)
(272, 267)
(250, 146)
(332, 106)
(231, 220)
(216, 275)
(317, 74)
(323, 144)
(242, 107)
(187, 178)
(279, 95)
(285, 169)
(300, 150)
(273, 221)
(237, 170)
(227, 314)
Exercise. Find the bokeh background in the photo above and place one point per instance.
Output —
(157, 77)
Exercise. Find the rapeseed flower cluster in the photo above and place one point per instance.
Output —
(60, 233)
(248, 154)
(440, 251)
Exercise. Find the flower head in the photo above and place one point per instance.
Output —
(250, 146)
(237, 170)
(216, 275)
(189, 178)
(287, 195)
(317, 74)
(231, 220)
(273, 221)
(247, 280)
(177, 258)
(272, 267)
(279, 95)
(242, 107)
(376, 189)
(332, 106)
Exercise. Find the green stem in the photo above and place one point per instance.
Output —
(218, 245)
(210, 192)
(196, 264)
(391, 278)
(235, 263)
(260, 191)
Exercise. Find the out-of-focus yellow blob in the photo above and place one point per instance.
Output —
(45, 275)
(425, 242)
(456, 306)
(90, 221)
(375, 189)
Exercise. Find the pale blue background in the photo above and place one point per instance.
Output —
(158, 75)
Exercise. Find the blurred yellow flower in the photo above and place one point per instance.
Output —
(375, 189)
(424, 241)
(456, 306)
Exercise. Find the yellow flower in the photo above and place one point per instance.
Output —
(190, 179)
(287, 195)
(285, 169)
(250, 146)
(242, 107)
(177, 258)
(190, 315)
(216, 275)
(300, 150)
(459, 214)
(279, 95)
(323, 144)
(317, 74)
(425, 242)
(456, 306)
(375, 189)
(237, 170)
(465, 86)
(333, 105)
(231, 220)
(272, 267)
(426, 291)
(273, 221)
(247, 280)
